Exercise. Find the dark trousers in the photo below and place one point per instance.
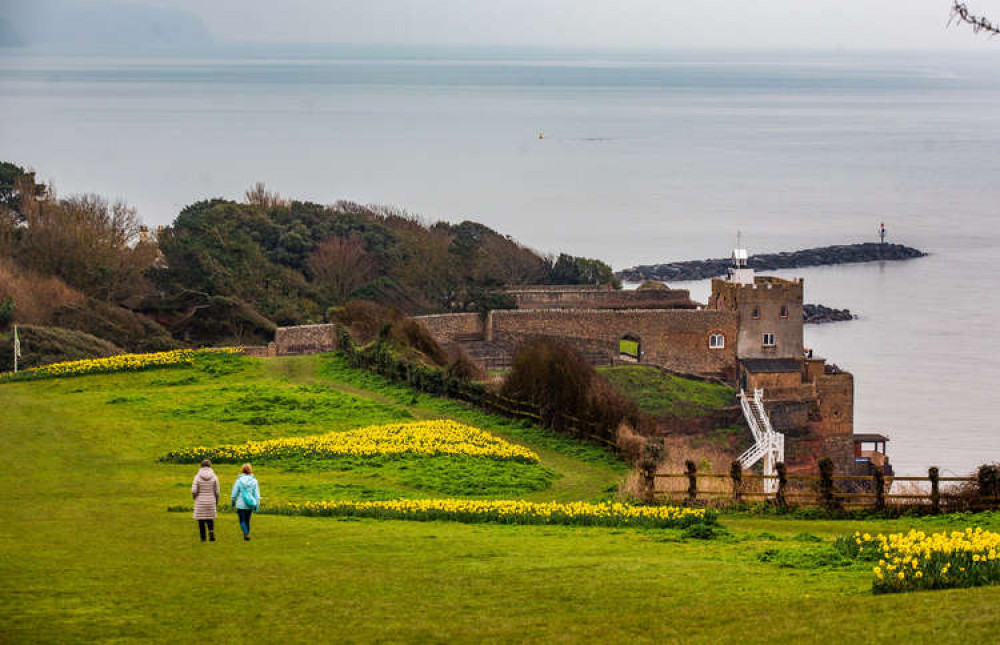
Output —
(206, 523)
(244, 514)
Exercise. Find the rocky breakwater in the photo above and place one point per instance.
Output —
(817, 314)
(821, 256)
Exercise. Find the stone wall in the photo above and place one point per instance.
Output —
(788, 416)
(260, 351)
(304, 339)
(675, 339)
(590, 298)
(774, 381)
(760, 308)
(836, 404)
(449, 328)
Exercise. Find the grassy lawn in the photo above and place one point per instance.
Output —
(657, 392)
(88, 551)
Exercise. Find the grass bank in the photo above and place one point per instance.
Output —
(88, 551)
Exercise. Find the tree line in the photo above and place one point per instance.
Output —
(228, 271)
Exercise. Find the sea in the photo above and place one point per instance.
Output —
(631, 157)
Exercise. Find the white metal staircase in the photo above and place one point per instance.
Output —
(768, 444)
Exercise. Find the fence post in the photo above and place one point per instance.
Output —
(736, 472)
(989, 484)
(879, 479)
(692, 475)
(932, 474)
(649, 481)
(779, 498)
(826, 483)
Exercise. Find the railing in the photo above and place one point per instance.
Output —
(847, 492)
(768, 444)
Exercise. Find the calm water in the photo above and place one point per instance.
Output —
(643, 159)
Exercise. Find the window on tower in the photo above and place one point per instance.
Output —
(756, 313)
(784, 311)
(769, 339)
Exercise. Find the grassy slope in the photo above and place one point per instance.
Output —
(87, 551)
(656, 392)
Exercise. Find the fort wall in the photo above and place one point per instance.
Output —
(601, 298)
(836, 404)
(675, 339)
(450, 328)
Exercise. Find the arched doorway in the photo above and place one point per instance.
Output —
(630, 348)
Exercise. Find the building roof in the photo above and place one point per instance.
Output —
(870, 437)
(758, 365)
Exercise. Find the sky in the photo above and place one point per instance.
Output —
(624, 24)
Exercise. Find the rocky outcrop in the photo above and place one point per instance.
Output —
(821, 256)
(817, 314)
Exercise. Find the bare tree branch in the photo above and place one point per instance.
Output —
(960, 14)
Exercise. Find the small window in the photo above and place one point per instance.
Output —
(717, 341)
(756, 313)
(784, 311)
(768, 339)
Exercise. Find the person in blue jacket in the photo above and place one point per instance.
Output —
(246, 498)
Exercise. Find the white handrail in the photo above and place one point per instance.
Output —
(768, 444)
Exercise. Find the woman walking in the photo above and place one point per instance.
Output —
(205, 491)
(246, 498)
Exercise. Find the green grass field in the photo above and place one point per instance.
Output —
(89, 552)
(657, 392)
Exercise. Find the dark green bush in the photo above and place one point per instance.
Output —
(6, 313)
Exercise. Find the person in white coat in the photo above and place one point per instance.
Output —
(205, 491)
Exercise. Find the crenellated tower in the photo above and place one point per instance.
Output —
(770, 310)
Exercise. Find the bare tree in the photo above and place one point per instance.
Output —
(90, 243)
(260, 196)
(960, 14)
(339, 266)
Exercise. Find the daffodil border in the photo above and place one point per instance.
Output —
(917, 560)
(112, 364)
(421, 438)
(503, 512)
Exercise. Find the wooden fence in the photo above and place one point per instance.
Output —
(434, 380)
(829, 490)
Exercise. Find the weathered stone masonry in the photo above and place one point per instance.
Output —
(304, 339)
(675, 339)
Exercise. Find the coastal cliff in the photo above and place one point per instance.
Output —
(821, 256)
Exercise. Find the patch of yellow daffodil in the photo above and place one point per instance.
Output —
(431, 438)
(505, 512)
(118, 363)
(917, 560)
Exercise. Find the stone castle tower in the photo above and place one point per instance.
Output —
(770, 311)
